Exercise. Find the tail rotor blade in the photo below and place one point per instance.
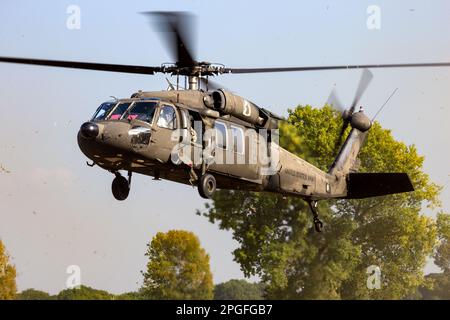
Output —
(366, 78)
(341, 134)
(333, 100)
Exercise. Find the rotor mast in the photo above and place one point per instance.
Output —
(193, 83)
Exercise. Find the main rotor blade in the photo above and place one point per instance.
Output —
(364, 66)
(178, 26)
(364, 82)
(84, 65)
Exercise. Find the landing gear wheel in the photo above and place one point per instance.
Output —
(318, 225)
(206, 186)
(120, 188)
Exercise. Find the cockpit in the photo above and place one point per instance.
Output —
(119, 110)
(102, 112)
(126, 125)
(143, 110)
(129, 110)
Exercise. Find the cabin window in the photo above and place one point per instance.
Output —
(221, 135)
(167, 118)
(103, 110)
(142, 110)
(119, 111)
(237, 134)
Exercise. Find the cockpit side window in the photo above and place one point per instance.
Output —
(119, 110)
(167, 118)
(142, 110)
(103, 110)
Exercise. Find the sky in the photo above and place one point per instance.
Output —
(56, 212)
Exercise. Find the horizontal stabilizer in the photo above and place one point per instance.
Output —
(365, 185)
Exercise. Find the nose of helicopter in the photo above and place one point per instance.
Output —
(89, 130)
(103, 142)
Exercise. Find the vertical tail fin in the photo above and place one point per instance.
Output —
(348, 153)
(365, 185)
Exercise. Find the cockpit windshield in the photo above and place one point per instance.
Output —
(119, 110)
(142, 110)
(103, 110)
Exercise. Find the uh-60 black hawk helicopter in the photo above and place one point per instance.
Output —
(136, 134)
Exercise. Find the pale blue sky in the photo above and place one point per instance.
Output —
(55, 211)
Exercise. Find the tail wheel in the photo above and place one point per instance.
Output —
(207, 186)
(120, 188)
(318, 225)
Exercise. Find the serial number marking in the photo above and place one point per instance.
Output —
(301, 175)
(254, 309)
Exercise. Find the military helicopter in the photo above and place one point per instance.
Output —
(208, 137)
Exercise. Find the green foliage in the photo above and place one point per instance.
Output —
(32, 294)
(276, 237)
(84, 293)
(238, 290)
(439, 283)
(178, 268)
(8, 287)
(442, 254)
(318, 131)
(129, 296)
(439, 288)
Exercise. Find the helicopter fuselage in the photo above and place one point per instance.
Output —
(172, 135)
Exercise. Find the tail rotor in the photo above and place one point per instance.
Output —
(347, 114)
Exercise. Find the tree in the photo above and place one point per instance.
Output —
(238, 290)
(438, 287)
(129, 296)
(442, 254)
(178, 268)
(276, 237)
(84, 293)
(32, 294)
(8, 287)
(439, 283)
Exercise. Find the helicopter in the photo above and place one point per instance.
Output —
(203, 135)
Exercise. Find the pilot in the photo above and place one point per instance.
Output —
(166, 118)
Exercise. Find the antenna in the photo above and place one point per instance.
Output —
(384, 104)
(171, 87)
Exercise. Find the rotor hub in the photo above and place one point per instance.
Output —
(198, 69)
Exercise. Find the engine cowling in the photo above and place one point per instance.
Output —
(227, 103)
